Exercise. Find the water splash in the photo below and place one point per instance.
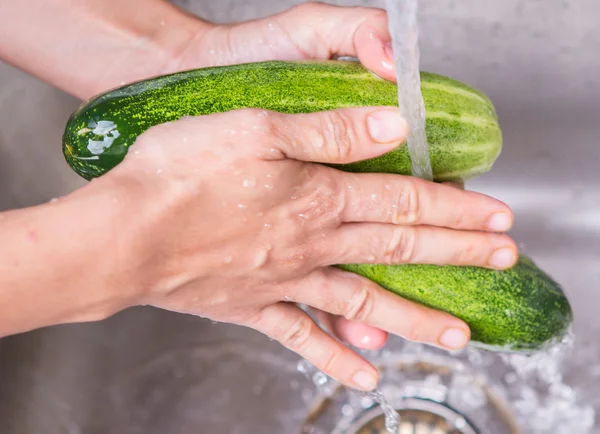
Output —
(325, 386)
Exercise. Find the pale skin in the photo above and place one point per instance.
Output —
(227, 216)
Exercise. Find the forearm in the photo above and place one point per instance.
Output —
(86, 46)
(65, 261)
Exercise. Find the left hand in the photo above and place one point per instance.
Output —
(307, 31)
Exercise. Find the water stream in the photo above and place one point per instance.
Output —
(404, 30)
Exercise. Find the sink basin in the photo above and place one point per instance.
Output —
(150, 371)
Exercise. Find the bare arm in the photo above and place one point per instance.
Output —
(66, 261)
(87, 46)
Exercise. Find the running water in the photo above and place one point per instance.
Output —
(403, 25)
(326, 388)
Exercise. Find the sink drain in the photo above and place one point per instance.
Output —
(417, 416)
(432, 394)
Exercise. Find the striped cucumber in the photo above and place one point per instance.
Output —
(462, 127)
(521, 309)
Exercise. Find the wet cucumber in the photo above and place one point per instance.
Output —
(516, 310)
(521, 309)
(462, 127)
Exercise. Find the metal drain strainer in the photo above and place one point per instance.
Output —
(432, 395)
(417, 416)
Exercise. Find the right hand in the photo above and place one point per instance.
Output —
(236, 223)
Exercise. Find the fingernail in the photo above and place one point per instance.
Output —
(502, 258)
(364, 380)
(499, 222)
(386, 126)
(389, 62)
(454, 339)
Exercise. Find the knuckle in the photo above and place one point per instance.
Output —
(406, 206)
(339, 135)
(401, 246)
(298, 334)
(360, 305)
(324, 203)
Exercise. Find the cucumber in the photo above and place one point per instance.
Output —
(517, 310)
(462, 128)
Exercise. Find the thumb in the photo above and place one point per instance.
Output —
(308, 31)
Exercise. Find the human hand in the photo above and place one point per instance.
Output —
(308, 31)
(236, 224)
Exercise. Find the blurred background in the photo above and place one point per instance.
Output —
(149, 371)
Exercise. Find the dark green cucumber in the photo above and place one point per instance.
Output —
(462, 127)
(516, 310)
(521, 309)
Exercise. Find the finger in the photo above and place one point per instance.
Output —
(336, 136)
(390, 244)
(295, 330)
(354, 333)
(361, 300)
(407, 200)
(324, 31)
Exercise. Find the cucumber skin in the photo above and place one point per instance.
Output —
(459, 149)
(540, 312)
(517, 310)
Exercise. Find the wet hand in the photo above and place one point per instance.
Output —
(307, 31)
(236, 223)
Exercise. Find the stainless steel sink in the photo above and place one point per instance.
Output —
(149, 371)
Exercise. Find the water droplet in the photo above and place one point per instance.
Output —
(242, 206)
(388, 187)
(54, 200)
(158, 171)
(211, 52)
(373, 196)
(287, 298)
(371, 35)
(304, 367)
(320, 379)
(269, 175)
(270, 25)
(387, 65)
(250, 182)
(263, 113)
(267, 225)
(137, 152)
(228, 259)
(347, 410)
(261, 257)
(302, 216)
(508, 314)
(371, 258)
(350, 187)
(269, 186)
